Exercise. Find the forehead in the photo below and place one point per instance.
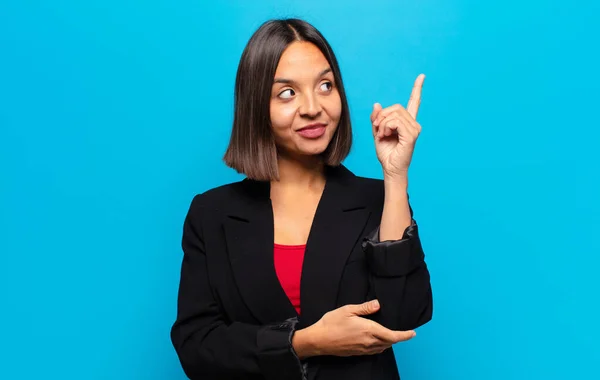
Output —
(301, 58)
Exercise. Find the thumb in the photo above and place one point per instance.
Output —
(376, 109)
(365, 308)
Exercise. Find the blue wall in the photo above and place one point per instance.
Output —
(113, 114)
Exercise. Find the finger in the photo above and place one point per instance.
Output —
(385, 113)
(403, 336)
(415, 97)
(376, 109)
(384, 128)
(409, 120)
(386, 335)
(382, 333)
(392, 336)
(390, 126)
(365, 308)
(401, 126)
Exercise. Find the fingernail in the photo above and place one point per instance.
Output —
(375, 303)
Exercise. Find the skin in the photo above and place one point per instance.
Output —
(305, 92)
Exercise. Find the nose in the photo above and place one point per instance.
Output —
(310, 106)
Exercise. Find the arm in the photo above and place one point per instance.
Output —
(207, 345)
(397, 215)
(399, 275)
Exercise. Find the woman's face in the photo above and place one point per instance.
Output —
(305, 102)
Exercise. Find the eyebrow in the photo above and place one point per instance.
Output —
(288, 81)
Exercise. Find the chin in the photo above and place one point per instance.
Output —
(298, 146)
(312, 148)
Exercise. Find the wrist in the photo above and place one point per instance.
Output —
(305, 343)
(400, 177)
(395, 183)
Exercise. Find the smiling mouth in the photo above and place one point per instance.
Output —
(312, 131)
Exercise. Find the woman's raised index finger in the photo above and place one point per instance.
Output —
(415, 97)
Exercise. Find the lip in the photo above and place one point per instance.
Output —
(312, 131)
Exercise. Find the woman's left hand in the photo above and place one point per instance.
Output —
(396, 130)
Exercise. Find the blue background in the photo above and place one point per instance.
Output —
(113, 114)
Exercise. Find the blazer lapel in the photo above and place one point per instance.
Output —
(250, 235)
(337, 226)
(338, 223)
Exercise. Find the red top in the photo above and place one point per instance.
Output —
(288, 265)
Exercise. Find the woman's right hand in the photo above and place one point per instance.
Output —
(344, 332)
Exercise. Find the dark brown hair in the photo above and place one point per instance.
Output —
(252, 149)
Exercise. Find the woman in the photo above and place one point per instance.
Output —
(302, 270)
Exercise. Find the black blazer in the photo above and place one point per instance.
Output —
(234, 321)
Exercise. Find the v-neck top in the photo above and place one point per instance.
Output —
(288, 261)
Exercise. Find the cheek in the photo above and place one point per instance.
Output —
(333, 105)
(282, 116)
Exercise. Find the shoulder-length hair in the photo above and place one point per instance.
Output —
(252, 150)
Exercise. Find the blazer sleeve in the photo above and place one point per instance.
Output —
(400, 279)
(209, 347)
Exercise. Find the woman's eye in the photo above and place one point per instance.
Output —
(326, 86)
(287, 94)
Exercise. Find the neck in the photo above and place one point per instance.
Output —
(310, 171)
